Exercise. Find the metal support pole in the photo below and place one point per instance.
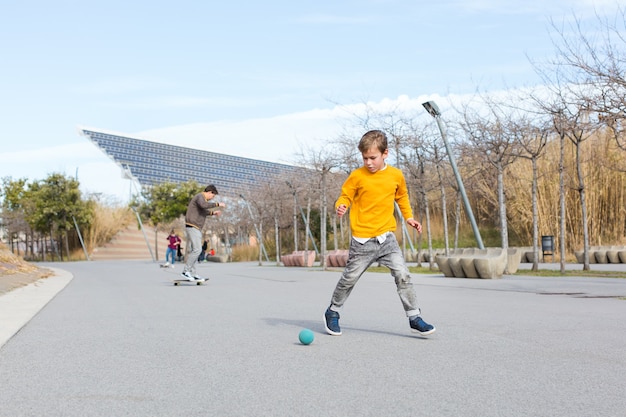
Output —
(144, 235)
(405, 230)
(308, 231)
(80, 237)
(433, 110)
(258, 233)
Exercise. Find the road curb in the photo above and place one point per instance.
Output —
(19, 306)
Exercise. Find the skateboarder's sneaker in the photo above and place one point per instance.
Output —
(186, 275)
(199, 278)
(418, 325)
(166, 264)
(331, 322)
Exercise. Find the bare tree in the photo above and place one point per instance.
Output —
(419, 157)
(491, 142)
(532, 138)
(587, 85)
(322, 161)
(593, 56)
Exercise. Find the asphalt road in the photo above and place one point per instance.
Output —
(120, 340)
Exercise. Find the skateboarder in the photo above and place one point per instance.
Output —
(199, 208)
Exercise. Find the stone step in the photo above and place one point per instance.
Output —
(131, 244)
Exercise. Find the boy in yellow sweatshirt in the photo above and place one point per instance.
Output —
(370, 192)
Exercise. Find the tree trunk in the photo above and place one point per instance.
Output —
(307, 229)
(444, 211)
(323, 223)
(156, 242)
(431, 265)
(277, 238)
(67, 245)
(562, 206)
(457, 220)
(583, 206)
(334, 219)
(504, 232)
(535, 215)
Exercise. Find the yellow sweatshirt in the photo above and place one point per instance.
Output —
(371, 197)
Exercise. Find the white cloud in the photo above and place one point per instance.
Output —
(278, 139)
(274, 139)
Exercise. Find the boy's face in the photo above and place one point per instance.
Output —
(373, 160)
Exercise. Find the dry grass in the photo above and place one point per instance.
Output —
(107, 222)
(12, 264)
(604, 171)
(245, 253)
(15, 272)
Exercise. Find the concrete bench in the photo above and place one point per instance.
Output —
(299, 258)
(337, 258)
(479, 263)
(526, 253)
(613, 254)
(218, 258)
(425, 255)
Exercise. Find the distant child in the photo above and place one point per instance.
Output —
(179, 253)
(173, 243)
(370, 193)
(202, 256)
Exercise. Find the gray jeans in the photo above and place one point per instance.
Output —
(193, 249)
(361, 257)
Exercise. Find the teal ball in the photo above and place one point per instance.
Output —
(306, 337)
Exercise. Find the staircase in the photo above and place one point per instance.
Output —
(131, 244)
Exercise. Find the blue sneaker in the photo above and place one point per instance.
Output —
(420, 326)
(331, 322)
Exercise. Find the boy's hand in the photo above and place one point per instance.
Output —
(216, 213)
(414, 223)
(341, 210)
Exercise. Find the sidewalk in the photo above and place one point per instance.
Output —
(20, 305)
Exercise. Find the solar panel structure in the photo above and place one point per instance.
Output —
(153, 163)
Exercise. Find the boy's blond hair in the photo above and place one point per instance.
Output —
(372, 138)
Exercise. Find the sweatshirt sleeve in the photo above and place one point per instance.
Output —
(348, 191)
(402, 198)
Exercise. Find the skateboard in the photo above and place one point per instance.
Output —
(197, 281)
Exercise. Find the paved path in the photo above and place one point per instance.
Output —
(19, 305)
(120, 340)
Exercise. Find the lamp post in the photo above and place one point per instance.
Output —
(432, 109)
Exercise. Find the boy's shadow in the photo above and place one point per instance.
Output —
(318, 327)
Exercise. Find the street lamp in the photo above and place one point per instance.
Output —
(432, 109)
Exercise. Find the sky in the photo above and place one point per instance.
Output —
(255, 79)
